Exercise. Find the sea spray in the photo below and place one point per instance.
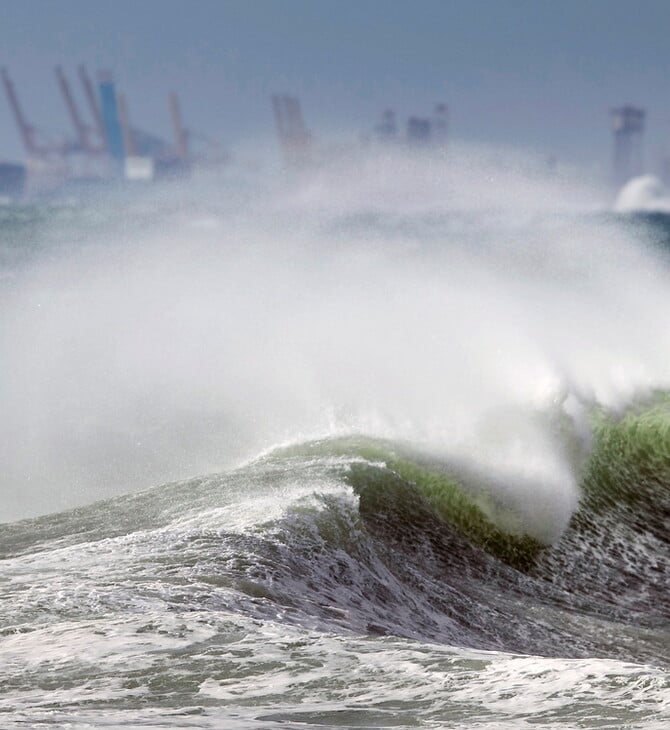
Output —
(420, 412)
(438, 302)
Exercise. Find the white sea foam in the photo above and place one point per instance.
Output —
(306, 678)
(644, 194)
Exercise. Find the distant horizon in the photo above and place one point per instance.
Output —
(520, 73)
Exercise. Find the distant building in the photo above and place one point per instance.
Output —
(387, 130)
(418, 130)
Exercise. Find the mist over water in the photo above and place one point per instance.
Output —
(380, 443)
(476, 308)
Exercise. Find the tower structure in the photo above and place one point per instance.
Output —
(440, 124)
(628, 128)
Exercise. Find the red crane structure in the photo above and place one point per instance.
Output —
(180, 134)
(129, 146)
(46, 160)
(186, 151)
(294, 139)
(34, 149)
(85, 134)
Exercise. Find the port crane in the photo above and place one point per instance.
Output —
(210, 152)
(294, 138)
(180, 134)
(84, 133)
(34, 147)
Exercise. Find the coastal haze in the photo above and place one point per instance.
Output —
(522, 73)
(335, 388)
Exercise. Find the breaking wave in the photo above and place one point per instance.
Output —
(358, 534)
(430, 409)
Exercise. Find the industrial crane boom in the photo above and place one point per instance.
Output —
(77, 122)
(26, 130)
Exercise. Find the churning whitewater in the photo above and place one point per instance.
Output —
(387, 445)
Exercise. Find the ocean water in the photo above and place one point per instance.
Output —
(382, 445)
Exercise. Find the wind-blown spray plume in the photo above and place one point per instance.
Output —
(398, 296)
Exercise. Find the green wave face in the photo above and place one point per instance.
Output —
(377, 469)
(629, 471)
(625, 484)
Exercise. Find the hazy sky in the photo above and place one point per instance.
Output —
(539, 73)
